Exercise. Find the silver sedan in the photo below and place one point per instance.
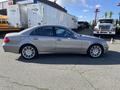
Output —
(52, 39)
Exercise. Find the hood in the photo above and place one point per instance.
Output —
(90, 38)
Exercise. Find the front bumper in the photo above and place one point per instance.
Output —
(106, 49)
(105, 32)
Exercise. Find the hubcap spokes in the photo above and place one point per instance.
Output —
(28, 52)
(95, 51)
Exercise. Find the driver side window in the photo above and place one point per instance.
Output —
(62, 32)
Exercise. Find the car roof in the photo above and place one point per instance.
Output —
(51, 26)
(28, 30)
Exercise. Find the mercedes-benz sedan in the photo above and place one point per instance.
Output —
(52, 39)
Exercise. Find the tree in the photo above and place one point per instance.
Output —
(110, 14)
(105, 14)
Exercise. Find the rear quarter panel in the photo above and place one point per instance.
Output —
(13, 45)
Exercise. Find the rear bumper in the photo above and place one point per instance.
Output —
(10, 48)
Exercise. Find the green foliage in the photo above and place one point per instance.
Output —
(105, 14)
(108, 14)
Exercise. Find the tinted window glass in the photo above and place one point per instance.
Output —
(63, 32)
(43, 31)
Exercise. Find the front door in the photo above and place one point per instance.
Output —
(66, 41)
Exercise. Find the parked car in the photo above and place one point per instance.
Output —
(52, 39)
(83, 25)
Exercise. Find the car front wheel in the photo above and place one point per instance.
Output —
(28, 52)
(95, 51)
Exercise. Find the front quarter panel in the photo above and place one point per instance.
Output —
(87, 41)
(101, 42)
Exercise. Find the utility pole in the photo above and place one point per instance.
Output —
(119, 12)
(96, 14)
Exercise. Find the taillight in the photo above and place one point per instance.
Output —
(6, 40)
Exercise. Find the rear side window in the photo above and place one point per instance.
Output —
(43, 31)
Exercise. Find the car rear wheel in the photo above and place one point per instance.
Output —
(95, 51)
(28, 52)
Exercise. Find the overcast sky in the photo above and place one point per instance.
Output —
(84, 9)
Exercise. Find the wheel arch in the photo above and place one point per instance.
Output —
(95, 44)
(26, 45)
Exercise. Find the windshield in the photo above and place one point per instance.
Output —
(106, 21)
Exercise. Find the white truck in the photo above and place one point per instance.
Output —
(42, 14)
(17, 16)
(30, 15)
(105, 26)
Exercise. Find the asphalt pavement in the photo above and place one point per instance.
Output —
(61, 71)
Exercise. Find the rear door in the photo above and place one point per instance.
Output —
(43, 39)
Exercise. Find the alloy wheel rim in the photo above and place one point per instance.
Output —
(95, 51)
(28, 52)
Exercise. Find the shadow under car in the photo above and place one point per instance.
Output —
(110, 58)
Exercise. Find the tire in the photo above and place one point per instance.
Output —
(28, 52)
(95, 51)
